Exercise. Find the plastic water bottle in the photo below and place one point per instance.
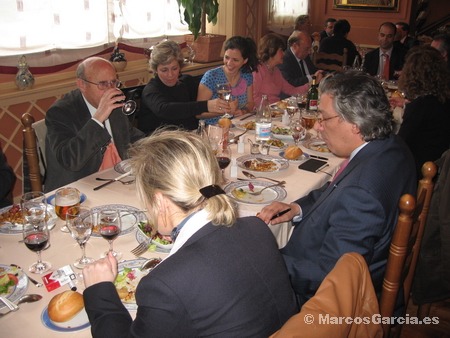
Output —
(263, 121)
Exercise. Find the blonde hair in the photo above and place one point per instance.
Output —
(164, 53)
(178, 164)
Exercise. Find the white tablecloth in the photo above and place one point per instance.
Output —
(64, 250)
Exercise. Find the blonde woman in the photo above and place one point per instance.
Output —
(224, 277)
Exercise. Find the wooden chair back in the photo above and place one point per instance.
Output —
(405, 245)
(331, 62)
(31, 152)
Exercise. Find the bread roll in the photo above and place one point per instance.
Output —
(65, 305)
(293, 152)
(281, 104)
(224, 123)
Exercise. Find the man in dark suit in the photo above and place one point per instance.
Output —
(375, 60)
(297, 67)
(85, 124)
(402, 37)
(356, 211)
(328, 28)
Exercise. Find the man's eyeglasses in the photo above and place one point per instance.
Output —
(102, 85)
(321, 120)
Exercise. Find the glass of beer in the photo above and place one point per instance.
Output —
(65, 198)
(309, 119)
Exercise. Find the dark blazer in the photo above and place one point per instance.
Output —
(75, 143)
(323, 35)
(291, 70)
(336, 45)
(162, 105)
(355, 213)
(223, 282)
(396, 61)
(426, 129)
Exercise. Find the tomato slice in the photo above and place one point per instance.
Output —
(13, 278)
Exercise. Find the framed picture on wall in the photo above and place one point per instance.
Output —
(367, 5)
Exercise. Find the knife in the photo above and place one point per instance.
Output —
(113, 180)
(250, 115)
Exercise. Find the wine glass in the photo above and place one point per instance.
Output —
(298, 131)
(65, 198)
(110, 226)
(292, 107)
(36, 237)
(223, 156)
(224, 91)
(191, 55)
(80, 223)
(34, 207)
(129, 106)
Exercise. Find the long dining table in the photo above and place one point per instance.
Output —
(28, 320)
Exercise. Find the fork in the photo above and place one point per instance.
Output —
(256, 193)
(141, 248)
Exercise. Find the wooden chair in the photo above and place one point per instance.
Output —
(31, 152)
(331, 62)
(405, 246)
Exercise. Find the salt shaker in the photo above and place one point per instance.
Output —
(233, 168)
(241, 145)
(285, 118)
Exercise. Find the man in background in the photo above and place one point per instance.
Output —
(328, 28)
(442, 43)
(303, 23)
(402, 36)
(387, 60)
(297, 67)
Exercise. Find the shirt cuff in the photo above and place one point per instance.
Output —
(101, 124)
(299, 216)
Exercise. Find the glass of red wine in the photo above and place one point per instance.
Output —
(36, 237)
(223, 156)
(110, 226)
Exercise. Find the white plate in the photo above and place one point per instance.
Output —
(284, 146)
(77, 323)
(267, 196)
(133, 263)
(17, 291)
(123, 167)
(280, 163)
(7, 228)
(241, 125)
(130, 216)
(51, 199)
(301, 158)
(316, 145)
(142, 237)
(287, 136)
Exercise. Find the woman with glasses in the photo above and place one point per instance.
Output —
(170, 98)
(86, 129)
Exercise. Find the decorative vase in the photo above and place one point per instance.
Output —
(119, 65)
(24, 78)
(207, 48)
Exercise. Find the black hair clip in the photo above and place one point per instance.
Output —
(211, 190)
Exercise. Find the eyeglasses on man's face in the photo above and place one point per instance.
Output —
(102, 85)
(321, 120)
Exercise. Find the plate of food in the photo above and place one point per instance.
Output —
(13, 283)
(158, 242)
(128, 277)
(316, 145)
(11, 219)
(262, 163)
(123, 167)
(239, 191)
(130, 217)
(276, 144)
(65, 312)
(284, 133)
(250, 125)
(294, 154)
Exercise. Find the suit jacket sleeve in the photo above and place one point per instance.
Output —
(290, 69)
(355, 224)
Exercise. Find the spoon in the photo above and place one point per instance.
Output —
(108, 179)
(256, 193)
(30, 298)
(236, 138)
(35, 282)
(249, 175)
(150, 264)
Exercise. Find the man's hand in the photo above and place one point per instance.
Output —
(110, 100)
(274, 208)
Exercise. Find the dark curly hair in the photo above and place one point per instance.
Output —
(269, 45)
(247, 47)
(425, 73)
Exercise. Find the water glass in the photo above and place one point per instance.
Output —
(80, 224)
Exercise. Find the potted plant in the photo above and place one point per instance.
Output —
(118, 59)
(196, 12)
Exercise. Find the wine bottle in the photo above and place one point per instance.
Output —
(263, 121)
(312, 100)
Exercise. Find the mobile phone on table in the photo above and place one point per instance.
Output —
(313, 165)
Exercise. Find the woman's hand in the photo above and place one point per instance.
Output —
(396, 101)
(102, 270)
(218, 106)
